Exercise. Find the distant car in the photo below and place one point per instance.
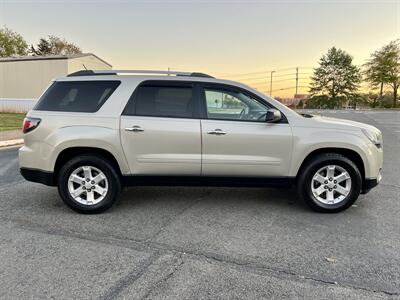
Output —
(93, 132)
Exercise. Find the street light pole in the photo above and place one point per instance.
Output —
(270, 84)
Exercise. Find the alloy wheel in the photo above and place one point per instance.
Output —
(87, 185)
(331, 184)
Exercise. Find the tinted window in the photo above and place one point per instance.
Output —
(162, 101)
(76, 96)
(231, 105)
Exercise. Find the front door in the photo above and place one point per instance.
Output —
(160, 133)
(236, 140)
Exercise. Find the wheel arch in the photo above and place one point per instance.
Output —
(348, 153)
(68, 153)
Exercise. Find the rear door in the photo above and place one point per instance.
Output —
(236, 140)
(160, 129)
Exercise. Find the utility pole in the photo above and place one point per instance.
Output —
(297, 80)
(168, 71)
(270, 84)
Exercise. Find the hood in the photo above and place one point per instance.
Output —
(335, 123)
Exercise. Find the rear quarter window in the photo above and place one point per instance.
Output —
(76, 96)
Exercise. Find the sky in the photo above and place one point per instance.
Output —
(238, 40)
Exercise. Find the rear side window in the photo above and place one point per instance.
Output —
(76, 96)
(162, 101)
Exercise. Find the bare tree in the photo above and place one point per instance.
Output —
(54, 45)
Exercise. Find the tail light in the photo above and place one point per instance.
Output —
(30, 124)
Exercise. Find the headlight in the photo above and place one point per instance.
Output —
(374, 136)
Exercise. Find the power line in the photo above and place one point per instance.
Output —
(286, 74)
(289, 88)
(258, 84)
(282, 80)
(262, 72)
(257, 78)
(247, 78)
(243, 74)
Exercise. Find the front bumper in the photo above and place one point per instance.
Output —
(370, 183)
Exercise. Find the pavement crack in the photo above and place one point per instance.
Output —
(131, 278)
(175, 217)
(390, 185)
(159, 249)
(263, 269)
(177, 265)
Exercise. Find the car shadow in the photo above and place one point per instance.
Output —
(273, 198)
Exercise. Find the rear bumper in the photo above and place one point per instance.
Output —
(39, 176)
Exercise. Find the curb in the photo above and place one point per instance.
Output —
(11, 143)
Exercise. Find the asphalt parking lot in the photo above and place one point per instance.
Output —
(207, 243)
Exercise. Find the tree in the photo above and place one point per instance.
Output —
(336, 77)
(324, 102)
(383, 68)
(54, 45)
(42, 48)
(12, 43)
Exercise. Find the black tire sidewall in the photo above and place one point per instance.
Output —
(313, 167)
(114, 186)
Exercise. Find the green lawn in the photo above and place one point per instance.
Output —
(10, 121)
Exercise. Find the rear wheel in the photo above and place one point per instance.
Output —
(329, 183)
(89, 184)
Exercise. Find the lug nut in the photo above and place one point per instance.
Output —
(92, 187)
(325, 187)
(326, 182)
(330, 179)
(92, 182)
(87, 179)
(334, 181)
(334, 186)
(89, 190)
(330, 190)
(83, 188)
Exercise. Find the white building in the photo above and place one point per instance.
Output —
(27, 77)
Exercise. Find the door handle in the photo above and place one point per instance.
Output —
(217, 132)
(135, 128)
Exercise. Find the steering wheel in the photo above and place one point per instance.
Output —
(241, 115)
(262, 117)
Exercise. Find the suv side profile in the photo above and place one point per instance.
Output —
(93, 132)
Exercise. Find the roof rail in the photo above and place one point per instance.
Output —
(89, 73)
(155, 72)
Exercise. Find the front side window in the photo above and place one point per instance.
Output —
(232, 105)
(76, 96)
(163, 101)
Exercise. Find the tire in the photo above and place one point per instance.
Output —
(308, 186)
(109, 184)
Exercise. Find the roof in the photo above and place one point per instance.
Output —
(50, 57)
(131, 72)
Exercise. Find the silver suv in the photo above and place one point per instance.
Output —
(93, 132)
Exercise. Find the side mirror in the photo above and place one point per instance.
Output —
(273, 115)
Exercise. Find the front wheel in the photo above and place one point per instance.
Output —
(88, 184)
(329, 183)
